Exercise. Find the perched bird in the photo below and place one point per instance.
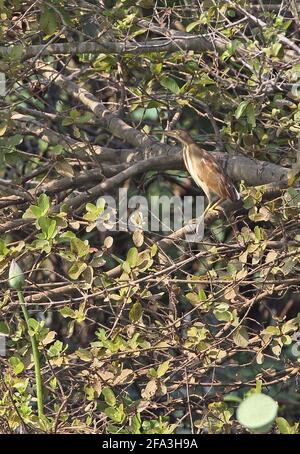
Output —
(205, 170)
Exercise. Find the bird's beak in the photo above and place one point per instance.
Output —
(170, 133)
(165, 133)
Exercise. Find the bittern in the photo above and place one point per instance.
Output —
(205, 170)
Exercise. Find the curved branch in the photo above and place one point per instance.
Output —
(77, 149)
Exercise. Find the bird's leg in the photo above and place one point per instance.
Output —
(233, 226)
(207, 209)
(212, 206)
(209, 206)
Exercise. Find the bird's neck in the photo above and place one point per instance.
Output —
(186, 141)
(185, 148)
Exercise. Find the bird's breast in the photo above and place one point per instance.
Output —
(195, 169)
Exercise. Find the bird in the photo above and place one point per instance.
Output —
(205, 170)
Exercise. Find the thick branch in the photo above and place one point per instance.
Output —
(111, 122)
(77, 149)
(179, 41)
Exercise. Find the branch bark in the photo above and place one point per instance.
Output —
(177, 41)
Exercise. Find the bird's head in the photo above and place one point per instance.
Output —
(179, 134)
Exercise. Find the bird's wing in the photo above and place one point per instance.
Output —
(208, 174)
(220, 183)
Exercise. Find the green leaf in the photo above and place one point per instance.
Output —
(109, 397)
(15, 140)
(33, 327)
(16, 364)
(89, 392)
(193, 298)
(135, 312)
(276, 48)
(202, 295)
(192, 25)
(84, 355)
(44, 223)
(57, 149)
(241, 109)
(43, 203)
(251, 116)
(43, 245)
(271, 330)
(51, 229)
(132, 257)
(3, 248)
(223, 316)
(144, 261)
(136, 423)
(77, 269)
(240, 337)
(257, 413)
(48, 226)
(170, 84)
(156, 68)
(153, 250)
(82, 248)
(48, 20)
(126, 267)
(218, 230)
(285, 428)
(116, 414)
(162, 369)
(37, 212)
(4, 328)
(55, 349)
(67, 312)
(88, 275)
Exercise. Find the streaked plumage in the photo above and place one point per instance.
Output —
(205, 169)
